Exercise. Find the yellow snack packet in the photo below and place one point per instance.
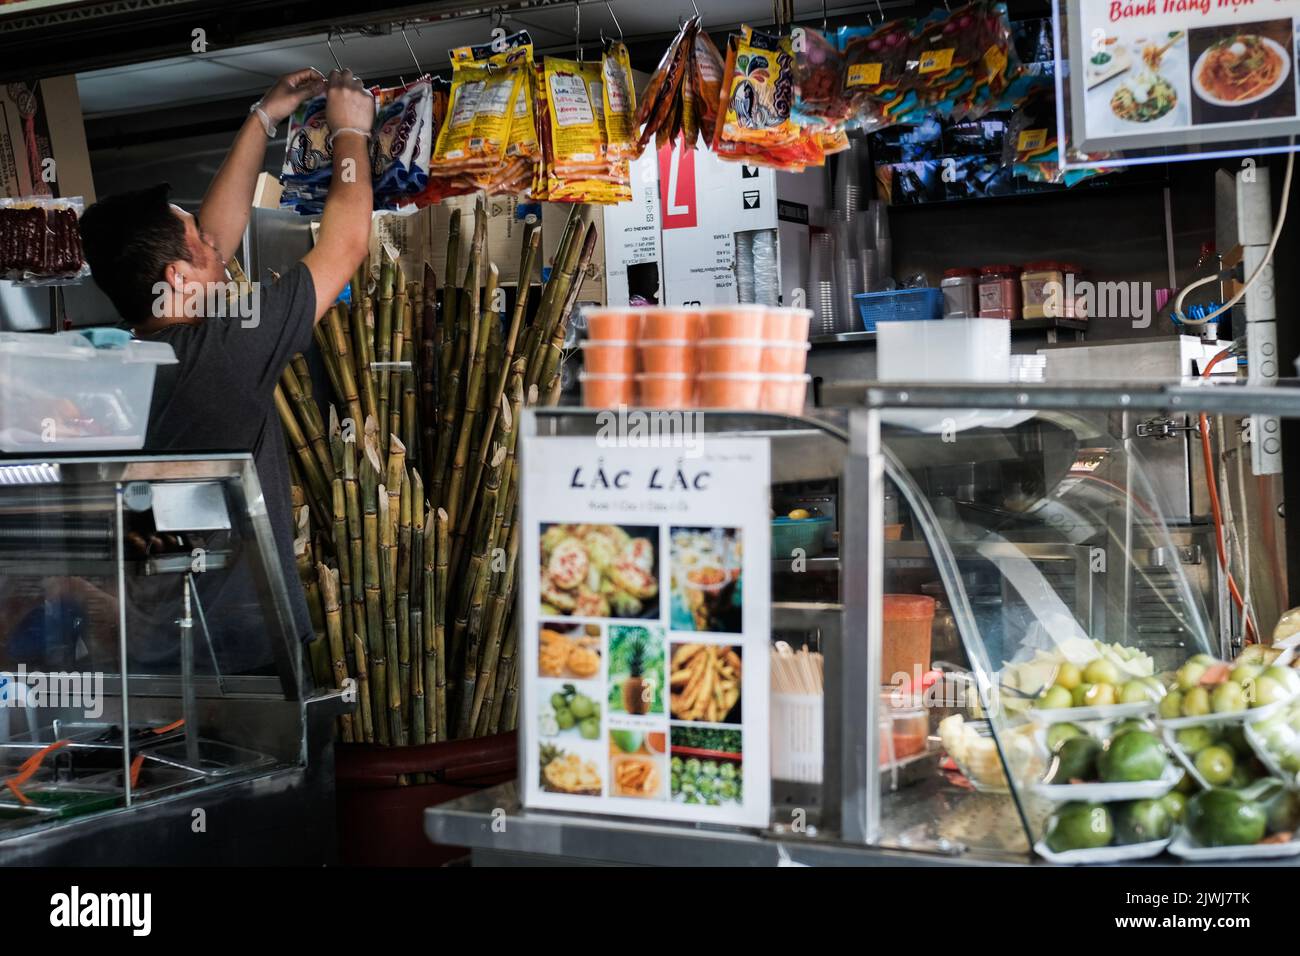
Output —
(577, 137)
(619, 102)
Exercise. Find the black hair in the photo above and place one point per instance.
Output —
(129, 238)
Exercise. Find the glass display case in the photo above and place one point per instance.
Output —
(147, 650)
(982, 545)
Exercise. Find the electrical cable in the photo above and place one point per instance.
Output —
(1259, 269)
(1212, 486)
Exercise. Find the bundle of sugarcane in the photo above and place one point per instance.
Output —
(407, 503)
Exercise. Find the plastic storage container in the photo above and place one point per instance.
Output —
(734, 322)
(784, 393)
(606, 390)
(730, 355)
(787, 358)
(805, 534)
(666, 324)
(1036, 290)
(961, 293)
(729, 390)
(999, 292)
(608, 357)
(620, 325)
(667, 355)
(63, 393)
(907, 622)
(664, 390)
(899, 305)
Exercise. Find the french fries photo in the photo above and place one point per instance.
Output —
(705, 682)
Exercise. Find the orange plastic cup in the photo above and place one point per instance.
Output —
(729, 390)
(606, 390)
(786, 325)
(785, 358)
(613, 325)
(907, 622)
(667, 356)
(608, 357)
(668, 324)
(784, 393)
(734, 322)
(665, 390)
(730, 355)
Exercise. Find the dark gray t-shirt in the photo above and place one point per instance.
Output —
(219, 397)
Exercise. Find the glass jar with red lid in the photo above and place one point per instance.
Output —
(999, 292)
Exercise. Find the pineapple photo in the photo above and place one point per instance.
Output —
(636, 669)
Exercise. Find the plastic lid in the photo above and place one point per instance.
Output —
(603, 377)
(604, 343)
(1046, 265)
(789, 310)
(960, 273)
(671, 376)
(801, 344)
(720, 343)
(675, 343)
(733, 376)
(999, 270)
(784, 377)
(615, 309)
(908, 607)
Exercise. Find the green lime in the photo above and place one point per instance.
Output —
(1192, 740)
(1137, 755)
(1075, 760)
(1054, 698)
(1221, 817)
(1215, 763)
(1175, 803)
(1058, 734)
(1080, 826)
(1171, 705)
(1196, 702)
(1142, 821)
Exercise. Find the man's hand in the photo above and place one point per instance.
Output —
(290, 91)
(348, 103)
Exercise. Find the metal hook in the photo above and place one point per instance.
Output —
(881, 11)
(824, 18)
(419, 71)
(617, 26)
(334, 56)
(577, 30)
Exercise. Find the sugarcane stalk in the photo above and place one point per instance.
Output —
(300, 369)
(341, 552)
(493, 629)
(401, 310)
(551, 364)
(451, 401)
(510, 712)
(517, 369)
(355, 550)
(329, 582)
(336, 443)
(363, 331)
(505, 673)
(431, 342)
(415, 577)
(469, 620)
(309, 419)
(315, 485)
(318, 649)
(403, 583)
(473, 396)
(410, 430)
(384, 338)
(432, 661)
(555, 290)
(450, 306)
(347, 381)
(388, 593)
(442, 551)
(321, 337)
(371, 499)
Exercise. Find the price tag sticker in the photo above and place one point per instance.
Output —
(936, 61)
(863, 74)
(1031, 140)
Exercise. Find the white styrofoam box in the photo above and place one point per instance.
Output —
(59, 393)
(949, 350)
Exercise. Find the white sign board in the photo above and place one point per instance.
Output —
(1147, 74)
(645, 623)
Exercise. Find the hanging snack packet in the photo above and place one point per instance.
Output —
(453, 150)
(999, 66)
(400, 150)
(818, 80)
(758, 91)
(662, 93)
(875, 71)
(542, 114)
(619, 102)
(577, 134)
(706, 73)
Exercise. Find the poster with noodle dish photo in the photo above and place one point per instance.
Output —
(645, 595)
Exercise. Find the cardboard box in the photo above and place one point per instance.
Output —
(40, 125)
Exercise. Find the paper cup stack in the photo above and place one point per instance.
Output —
(733, 356)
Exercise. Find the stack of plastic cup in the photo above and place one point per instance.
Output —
(821, 285)
(745, 266)
(767, 277)
(609, 356)
(785, 356)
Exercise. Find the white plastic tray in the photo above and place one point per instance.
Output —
(1248, 716)
(1291, 780)
(1188, 849)
(1105, 854)
(1072, 715)
(1109, 792)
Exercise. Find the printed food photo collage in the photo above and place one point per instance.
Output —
(640, 662)
(1138, 79)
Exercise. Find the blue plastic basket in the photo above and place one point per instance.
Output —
(899, 305)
